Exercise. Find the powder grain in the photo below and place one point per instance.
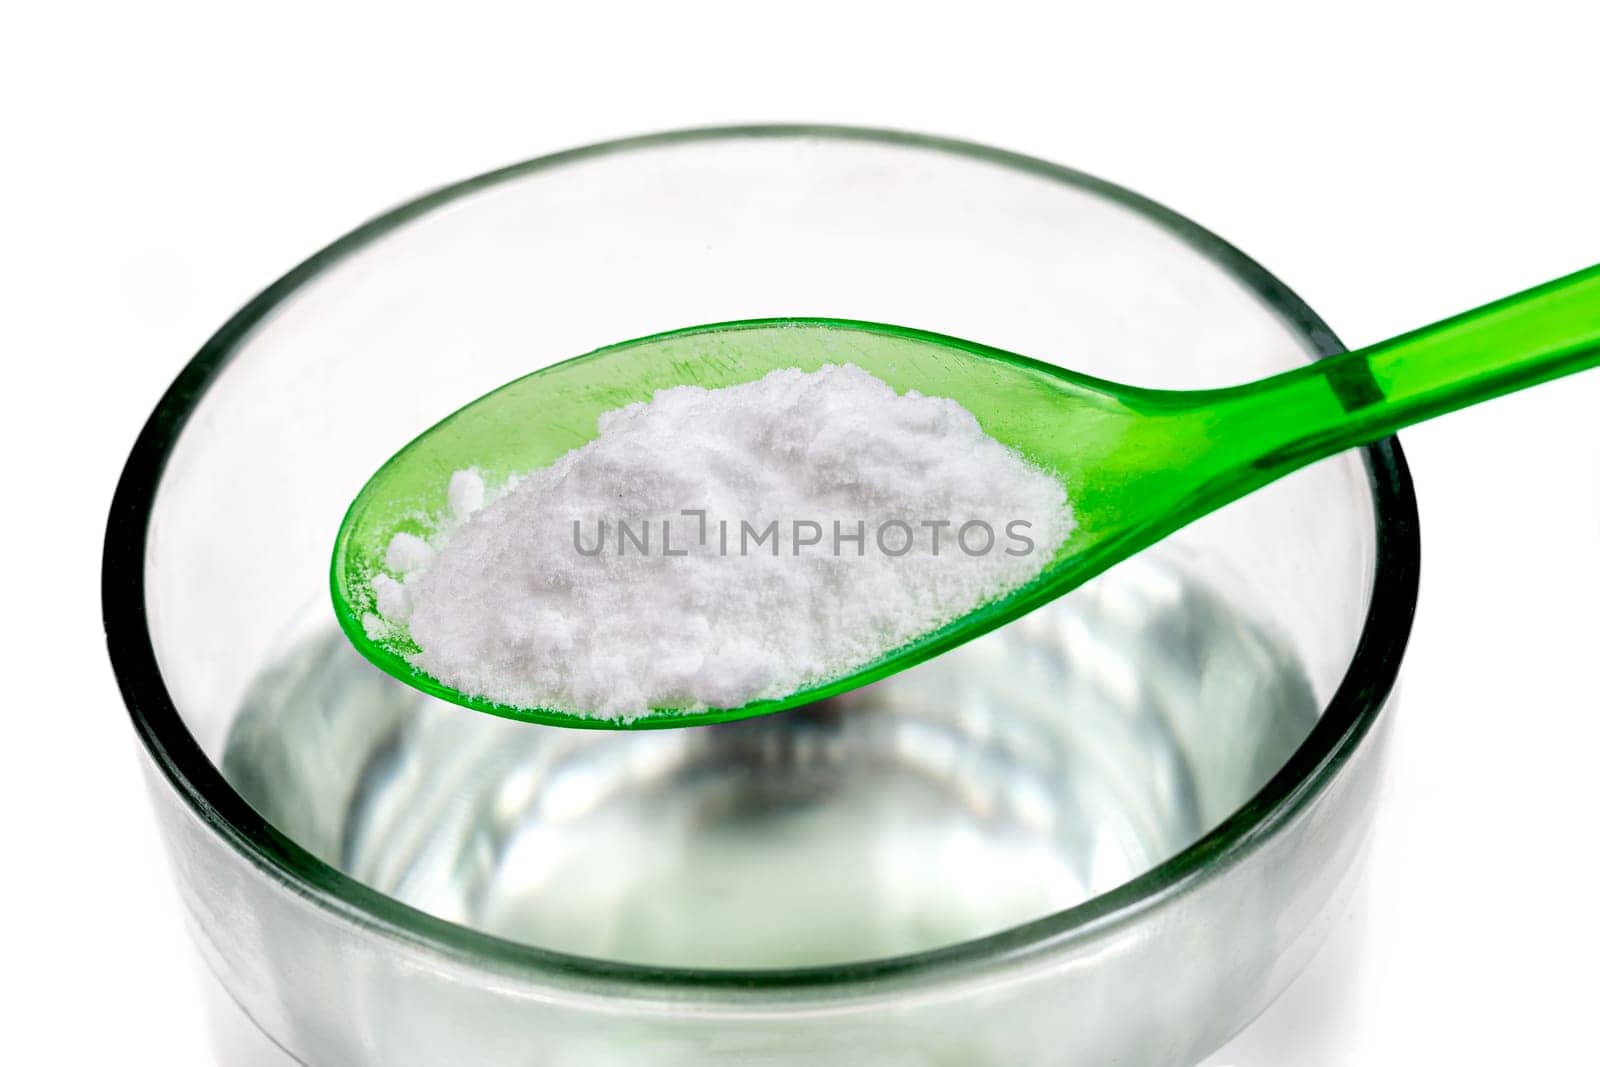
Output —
(714, 547)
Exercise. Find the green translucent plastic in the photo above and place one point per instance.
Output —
(1138, 463)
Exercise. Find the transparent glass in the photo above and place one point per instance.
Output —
(1111, 831)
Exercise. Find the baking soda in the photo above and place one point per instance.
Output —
(714, 547)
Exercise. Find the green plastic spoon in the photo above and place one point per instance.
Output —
(1140, 463)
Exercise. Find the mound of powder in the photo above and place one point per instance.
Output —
(714, 547)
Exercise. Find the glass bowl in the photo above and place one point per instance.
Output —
(1110, 832)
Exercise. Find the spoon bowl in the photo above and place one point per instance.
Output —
(503, 434)
(1137, 463)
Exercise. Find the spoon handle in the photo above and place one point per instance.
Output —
(1359, 397)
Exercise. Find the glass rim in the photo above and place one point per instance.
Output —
(1349, 715)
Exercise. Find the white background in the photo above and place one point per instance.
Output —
(1392, 164)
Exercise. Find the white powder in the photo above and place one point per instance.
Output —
(505, 602)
